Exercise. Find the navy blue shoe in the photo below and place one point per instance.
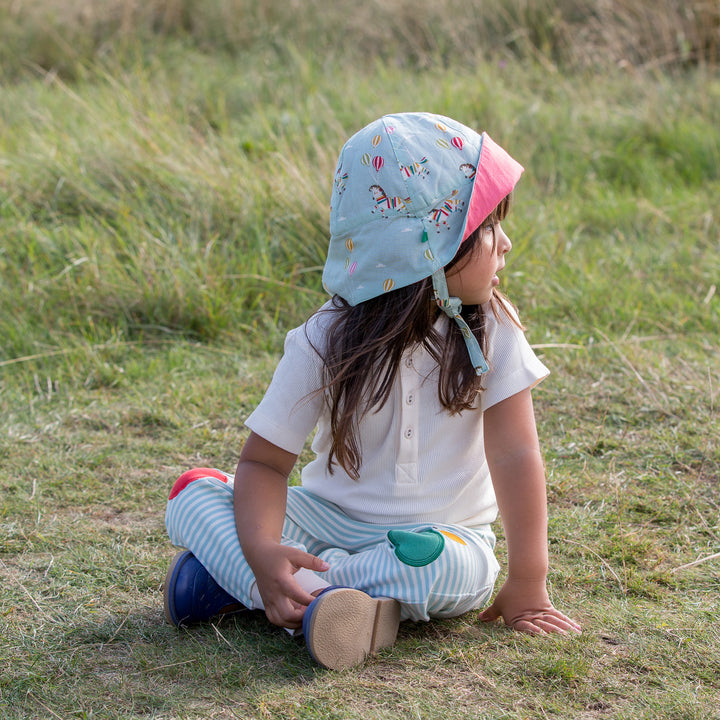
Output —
(190, 595)
(343, 626)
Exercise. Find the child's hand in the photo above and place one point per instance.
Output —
(525, 606)
(285, 601)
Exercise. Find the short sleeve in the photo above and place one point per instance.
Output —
(291, 406)
(513, 363)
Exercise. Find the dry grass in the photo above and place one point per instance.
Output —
(633, 505)
(60, 35)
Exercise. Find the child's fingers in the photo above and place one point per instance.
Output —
(284, 597)
(303, 559)
(315, 563)
(534, 623)
(287, 608)
(299, 597)
(547, 623)
(286, 614)
(557, 618)
(528, 627)
(489, 614)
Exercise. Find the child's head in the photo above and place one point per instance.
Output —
(409, 190)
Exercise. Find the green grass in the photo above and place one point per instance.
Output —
(163, 212)
(633, 490)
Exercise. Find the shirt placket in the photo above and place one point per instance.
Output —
(406, 468)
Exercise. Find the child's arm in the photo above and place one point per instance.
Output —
(518, 474)
(260, 499)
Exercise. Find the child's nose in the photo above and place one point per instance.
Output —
(503, 242)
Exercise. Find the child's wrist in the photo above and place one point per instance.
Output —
(529, 567)
(527, 578)
(256, 548)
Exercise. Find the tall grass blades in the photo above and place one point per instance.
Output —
(63, 35)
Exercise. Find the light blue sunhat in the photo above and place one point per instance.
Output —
(408, 189)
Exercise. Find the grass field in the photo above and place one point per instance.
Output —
(165, 171)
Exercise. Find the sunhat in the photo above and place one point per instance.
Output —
(408, 189)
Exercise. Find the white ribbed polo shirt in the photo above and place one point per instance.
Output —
(419, 463)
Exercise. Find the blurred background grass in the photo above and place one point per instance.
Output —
(59, 34)
(166, 165)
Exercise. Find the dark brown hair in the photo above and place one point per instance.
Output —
(365, 343)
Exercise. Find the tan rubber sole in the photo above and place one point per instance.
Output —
(347, 626)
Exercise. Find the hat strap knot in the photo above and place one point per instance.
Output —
(452, 306)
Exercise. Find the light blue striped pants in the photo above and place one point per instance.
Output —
(451, 572)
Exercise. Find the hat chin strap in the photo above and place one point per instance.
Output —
(451, 306)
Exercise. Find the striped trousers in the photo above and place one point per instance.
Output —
(433, 570)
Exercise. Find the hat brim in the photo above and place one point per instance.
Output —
(496, 176)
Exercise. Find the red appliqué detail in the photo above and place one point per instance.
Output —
(195, 474)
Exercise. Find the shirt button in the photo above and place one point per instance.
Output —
(410, 399)
(408, 362)
(409, 432)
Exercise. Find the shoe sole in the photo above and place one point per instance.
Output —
(346, 626)
(168, 603)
